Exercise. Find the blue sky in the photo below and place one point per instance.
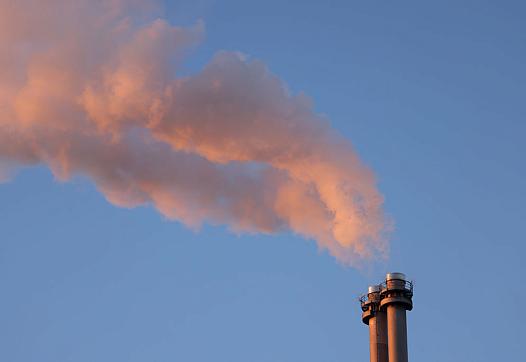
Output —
(432, 97)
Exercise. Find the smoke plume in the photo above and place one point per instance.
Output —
(91, 87)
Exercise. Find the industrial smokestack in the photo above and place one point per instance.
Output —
(384, 310)
(377, 321)
(396, 299)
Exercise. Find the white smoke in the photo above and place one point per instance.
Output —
(90, 87)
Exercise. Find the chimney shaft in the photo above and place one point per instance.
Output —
(397, 333)
(377, 321)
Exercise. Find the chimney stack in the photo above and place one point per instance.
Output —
(384, 310)
(377, 321)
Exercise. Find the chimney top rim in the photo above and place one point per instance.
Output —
(395, 276)
(373, 289)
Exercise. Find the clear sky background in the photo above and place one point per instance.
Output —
(432, 95)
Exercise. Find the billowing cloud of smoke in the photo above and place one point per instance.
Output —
(90, 87)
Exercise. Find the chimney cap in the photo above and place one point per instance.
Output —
(395, 276)
(373, 289)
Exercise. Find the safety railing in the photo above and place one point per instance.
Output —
(388, 286)
(395, 285)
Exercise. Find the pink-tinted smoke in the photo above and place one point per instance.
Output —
(90, 87)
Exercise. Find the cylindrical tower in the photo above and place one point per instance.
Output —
(377, 321)
(396, 297)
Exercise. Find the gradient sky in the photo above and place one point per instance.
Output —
(432, 97)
